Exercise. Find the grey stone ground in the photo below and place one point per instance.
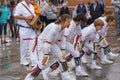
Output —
(10, 69)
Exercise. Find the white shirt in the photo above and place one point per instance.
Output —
(51, 33)
(72, 31)
(89, 33)
(103, 31)
(21, 10)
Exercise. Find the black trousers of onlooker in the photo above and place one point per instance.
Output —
(12, 27)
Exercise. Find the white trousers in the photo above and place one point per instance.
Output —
(90, 46)
(24, 44)
(71, 50)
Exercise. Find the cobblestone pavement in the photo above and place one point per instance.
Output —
(10, 69)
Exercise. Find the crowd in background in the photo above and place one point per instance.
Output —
(49, 13)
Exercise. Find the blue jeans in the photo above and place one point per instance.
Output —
(3, 28)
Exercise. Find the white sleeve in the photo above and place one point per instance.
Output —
(85, 33)
(103, 31)
(79, 31)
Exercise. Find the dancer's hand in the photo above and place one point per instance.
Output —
(45, 60)
(63, 54)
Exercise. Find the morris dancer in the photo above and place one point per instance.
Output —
(47, 44)
(108, 20)
(89, 36)
(25, 31)
(104, 45)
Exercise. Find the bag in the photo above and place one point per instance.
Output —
(34, 22)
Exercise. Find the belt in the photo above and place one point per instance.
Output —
(22, 26)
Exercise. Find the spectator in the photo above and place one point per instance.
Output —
(43, 19)
(82, 8)
(116, 4)
(64, 10)
(50, 12)
(11, 21)
(4, 16)
(96, 10)
(15, 21)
